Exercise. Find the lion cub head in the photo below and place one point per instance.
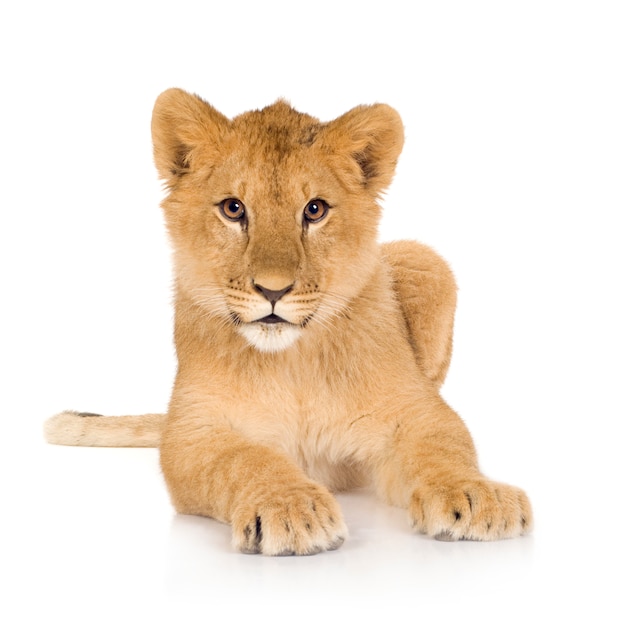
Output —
(273, 215)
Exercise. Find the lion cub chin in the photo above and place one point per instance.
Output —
(272, 337)
(309, 356)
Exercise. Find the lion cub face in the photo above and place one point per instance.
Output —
(273, 215)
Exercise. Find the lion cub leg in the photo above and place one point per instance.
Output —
(429, 467)
(272, 506)
(426, 291)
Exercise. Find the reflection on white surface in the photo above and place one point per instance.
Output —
(381, 558)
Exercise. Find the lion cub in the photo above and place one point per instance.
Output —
(309, 356)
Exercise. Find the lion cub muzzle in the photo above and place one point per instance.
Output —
(273, 331)
(272, 296)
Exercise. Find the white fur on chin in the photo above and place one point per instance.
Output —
(270, 337)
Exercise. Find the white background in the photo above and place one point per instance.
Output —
(514, 169)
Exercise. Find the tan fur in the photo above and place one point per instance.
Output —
(267, 419)
(71, 428)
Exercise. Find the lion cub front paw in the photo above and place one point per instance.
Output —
(300, 520)
(473, 509)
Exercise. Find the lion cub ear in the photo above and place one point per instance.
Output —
(183, 126)
(372, 136)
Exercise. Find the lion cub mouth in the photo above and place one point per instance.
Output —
(271, 319)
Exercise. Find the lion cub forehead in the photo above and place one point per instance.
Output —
(278, 125)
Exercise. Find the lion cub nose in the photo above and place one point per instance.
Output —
(273, 295)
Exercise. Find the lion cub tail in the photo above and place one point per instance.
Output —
(71, 428)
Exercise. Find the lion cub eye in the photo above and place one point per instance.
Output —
(232, 209)
(316, 210)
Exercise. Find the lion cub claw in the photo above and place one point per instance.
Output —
(479, 510)
(300, 521)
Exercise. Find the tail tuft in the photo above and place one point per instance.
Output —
(67, 428)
